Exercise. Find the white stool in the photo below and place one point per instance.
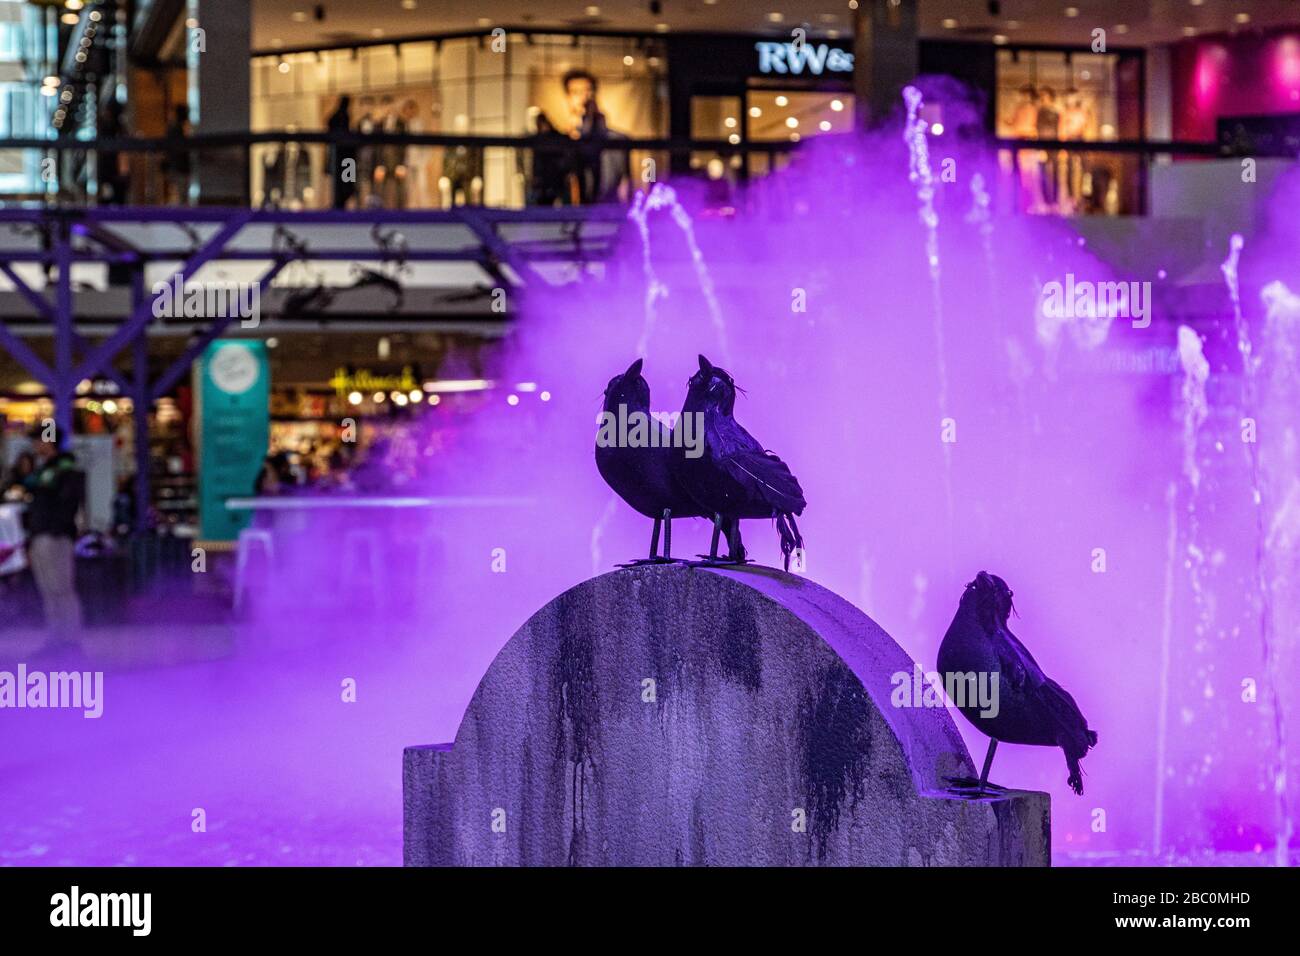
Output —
(361, 547)
(248, 538)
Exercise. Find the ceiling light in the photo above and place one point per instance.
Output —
(1121, 28)
(734, 139)
(1071, 11)
(661, 27)
(1242, 18)
(409, 4)
(792, 121)
(949, 23)
(298, 16)
(1189, 31)
(70, 18)
(775, 17)
(729, 122)
(628, 60)
(824, 126)
(782, 101)
(755, 112)
(593, 11)
(837, 105)
(999, 38)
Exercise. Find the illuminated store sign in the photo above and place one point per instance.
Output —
(365, 380)
(795, 58)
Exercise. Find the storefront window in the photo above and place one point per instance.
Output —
(790, 115)
(1069, 97)
(456, 86)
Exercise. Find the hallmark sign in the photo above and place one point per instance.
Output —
(796, 58)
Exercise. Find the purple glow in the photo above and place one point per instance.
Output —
(1072, 435)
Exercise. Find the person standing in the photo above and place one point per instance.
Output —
(176, 161)
(57, 490)
(343, 157)
(1049, 128)
(587, 126)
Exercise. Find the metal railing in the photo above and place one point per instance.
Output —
(305, 170)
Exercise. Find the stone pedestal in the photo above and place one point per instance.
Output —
(668, 715)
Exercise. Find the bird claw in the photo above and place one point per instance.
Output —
(639, 562)
(706, 561)
(970, 787)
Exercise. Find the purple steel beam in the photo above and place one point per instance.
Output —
(65, 385)
(46, 311)
(182, 365)
(210, 214)
(140, 412)
(25, 356)
(143, 313)
(499, 248)
(468, 254)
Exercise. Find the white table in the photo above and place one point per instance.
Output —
(11, 533)
(330, 503)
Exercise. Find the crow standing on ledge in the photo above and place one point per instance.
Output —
(640, 474)
(735, 477)
(1030, 708)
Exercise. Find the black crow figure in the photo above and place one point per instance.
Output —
(639, 471)
(735, 477)
(1030, 708)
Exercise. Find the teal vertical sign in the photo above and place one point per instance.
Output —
(235, 428)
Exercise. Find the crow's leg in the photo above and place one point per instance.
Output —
(654, 548)
(988, 763)
(735, 547)
(712, 556)
(668, 534)
(970, 787)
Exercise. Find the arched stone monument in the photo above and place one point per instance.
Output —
(666, 714)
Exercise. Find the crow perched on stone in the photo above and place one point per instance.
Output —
(636, 462)
(1030, 708)
(735, 477)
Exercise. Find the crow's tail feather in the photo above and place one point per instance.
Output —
(790, 537)
(1075, 780)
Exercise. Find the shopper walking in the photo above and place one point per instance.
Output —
(57, 490)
